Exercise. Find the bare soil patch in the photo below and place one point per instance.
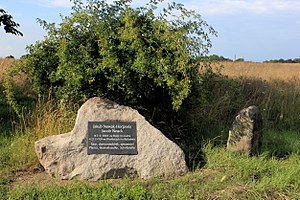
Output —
(39, 178)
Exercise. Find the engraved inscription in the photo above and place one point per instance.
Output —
(116, 138)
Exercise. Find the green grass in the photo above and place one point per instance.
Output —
(226, 175)
(274, 174)
(103, 190)
(281, 144)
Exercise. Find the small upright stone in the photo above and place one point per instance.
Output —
(246, 133)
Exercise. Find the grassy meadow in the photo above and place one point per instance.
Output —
(274, 174)
(265, 71)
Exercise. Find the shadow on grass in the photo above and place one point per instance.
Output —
(281, 144)
(5, 120)
(8, 118)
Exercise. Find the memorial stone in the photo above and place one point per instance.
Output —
(110, 141)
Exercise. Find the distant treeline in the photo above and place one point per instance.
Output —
(213, 58)
(296, 60)
(222, 58)
(217, 58)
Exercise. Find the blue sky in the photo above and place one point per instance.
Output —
(255, 30)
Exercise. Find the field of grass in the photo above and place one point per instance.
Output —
(264, 71)
(225, 176)
(274, 174)
(273, 87)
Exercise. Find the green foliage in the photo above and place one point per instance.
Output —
(5, 114)
(10, 26)
(138, 57)
(10, 89)
(240, 60)
(129, 55)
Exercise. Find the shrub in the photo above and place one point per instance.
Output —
(137, 57)
(129, 55)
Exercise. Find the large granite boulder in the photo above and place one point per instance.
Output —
(246, 133)
(65, 156)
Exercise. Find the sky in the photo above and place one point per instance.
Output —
(256, 30)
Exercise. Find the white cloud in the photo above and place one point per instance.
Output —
(217, 7)
(60, 3)
(53, 3)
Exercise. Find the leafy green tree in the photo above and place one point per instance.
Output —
(135, 56)
(119, 52)
(10, 26)
(140, 57)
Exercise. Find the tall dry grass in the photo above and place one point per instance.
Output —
(19, 79)
(4, 64)
(265, 71)
(45, 117)
(274, 87)
(48, 118)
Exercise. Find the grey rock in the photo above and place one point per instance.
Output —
(65, 156)
(246, 133)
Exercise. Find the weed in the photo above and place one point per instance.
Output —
(84, 191)
(216, 174)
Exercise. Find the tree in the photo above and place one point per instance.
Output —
(130, 55)
(9, 25)
(138, 57)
